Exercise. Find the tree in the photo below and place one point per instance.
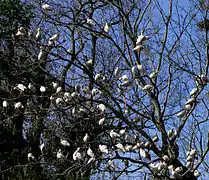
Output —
(129, 91)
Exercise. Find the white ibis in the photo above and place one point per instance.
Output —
(41, 147)
(18, 105)
(138, 48)
(77, 155)
(122, 131)
(55, 37)
(64, 142)
(90, 152)
(92, 159)
(161, 165)
(21, 32)
(5, 104)
(42, 89)
(89, 63)
(181, 114)
(134, 71)
(153, 74)
(101, 121)
(155, 138)
(187, 107)
(31, 157)
(188, 164)
(103, 148)
(74, 95)
(141, 38)
(144, 154)
(31, 87)
(196, 173)
(97, 77)
(45, 6)
(204, 79)
(193, 92)
(192, 152)
(38, 33)
(86, 138)
(59, 101)
(94, 92)
(54, 85)
(170, 132)
(41, 53)
(114, 134)
(20, 87)
(120, 147)
(124, 78)
(106, 28)
(128, 148)
(147, 145)
(179, 169)
(116, 72)
(101, 107)
(90, 22)
(147, 87)
(59, 154)
(166, 158)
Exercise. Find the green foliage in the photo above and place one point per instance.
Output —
(13, 13)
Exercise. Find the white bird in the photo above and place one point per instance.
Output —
(153, 74)
(144, 154)
(101, 121)
(193, 92)
(141, 38)
(181, 114)
(21, 32)
(161, 165)
(134, 71)
(42, 89)
(190, 100)
(111, 164)
(188, 164)
(196, 173)
(155, 138)
(92, 159)
(187, 107)
(21, 87)
(90, 22)
(77, 155)
(59, 101)
(18, 105)
(54, 85)
(40, 54)
(74, 95)
(38, 33)
(116, 72)
(189, 158)
(124, 78)
(170, 132)
(31, 87)
(204, 79)
(147, 87)
(59, 154)
(147, 145)
(90, 152)
(138, 48)
(106, 28)
(5, 104)
(114, 134)
(59, 89)
(31, 157)
(103, 148)
(55, 37)
(41, 147)
(128, 148)
(66, 96)
(101, 107)
(64, 142)
(122, 131)
(179, 169)
(120, 147)
(89, 63)
(94, 91)
(192, 152)
(86, 138)
(140, 67)
(45, 6)
(97, 77)
(166, 158)
(136, 146)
